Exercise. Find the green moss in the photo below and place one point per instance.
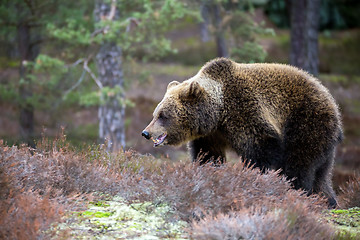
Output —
(102, 214)
(340, 211)
(87, 213)
(97, 214)
(115, 219)
(347, 222)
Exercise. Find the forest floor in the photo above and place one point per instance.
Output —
(113, 218)
(59, 192)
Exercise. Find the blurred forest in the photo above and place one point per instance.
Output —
(95, 71)
(98, 68)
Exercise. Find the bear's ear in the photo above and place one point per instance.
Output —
(172, 84)
(193, 92)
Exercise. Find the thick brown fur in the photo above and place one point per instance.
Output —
(274, 116)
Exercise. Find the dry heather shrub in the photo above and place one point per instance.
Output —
(347, 166)
(56, 170)
(200, 190)
(350, 193)
(23, 213)
(283, 223)
(233, 201)
(259, 206)
(35, 185)
(194, 191)
(5, 184)
(341, 176)
(61, 172)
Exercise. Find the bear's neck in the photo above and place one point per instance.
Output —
(214, 99)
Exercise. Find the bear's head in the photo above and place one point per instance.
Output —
(189, 110)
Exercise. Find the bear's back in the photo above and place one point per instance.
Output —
(274, 84)
(278, 90)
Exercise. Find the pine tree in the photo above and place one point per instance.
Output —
(92, 39)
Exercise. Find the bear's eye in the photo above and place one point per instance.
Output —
(162, 116)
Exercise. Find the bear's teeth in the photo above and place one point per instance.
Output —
(159, 140)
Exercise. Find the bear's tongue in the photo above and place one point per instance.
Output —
(159, 140)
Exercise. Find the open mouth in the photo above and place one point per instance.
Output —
(159, 140)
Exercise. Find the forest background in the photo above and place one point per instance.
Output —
(98, 68)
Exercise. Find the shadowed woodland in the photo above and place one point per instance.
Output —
(79, 81)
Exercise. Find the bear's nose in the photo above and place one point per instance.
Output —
(145, 134)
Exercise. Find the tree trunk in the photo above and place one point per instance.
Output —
(25, 91)
(204, 26)
(304, 35)
(297, 52)
(110, 73)
(312, 27)
(220, 38)
(211, 13)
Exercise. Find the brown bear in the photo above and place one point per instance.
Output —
(274, 116)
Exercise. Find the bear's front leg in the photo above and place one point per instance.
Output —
(208, 149)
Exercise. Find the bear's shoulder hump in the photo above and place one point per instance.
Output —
(218, 67)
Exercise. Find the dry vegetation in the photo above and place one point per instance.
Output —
(230, 201)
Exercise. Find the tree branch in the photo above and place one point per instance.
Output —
(77, 62)
(110, 17)
(99, 31)
(76, 84)
(112, 10)
(86, 67)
